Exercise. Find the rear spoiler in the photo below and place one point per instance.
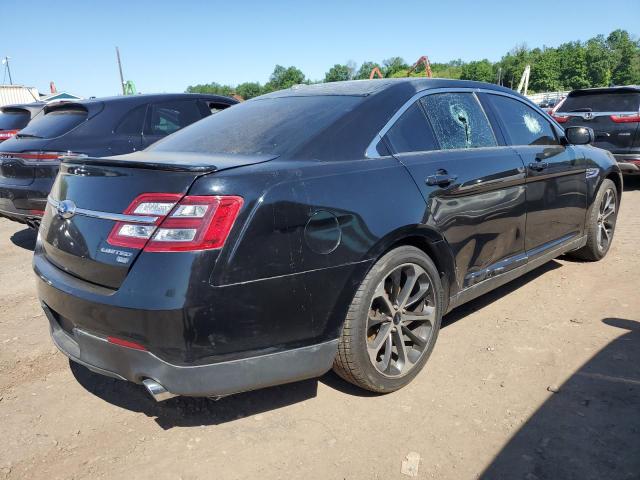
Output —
(172, 161)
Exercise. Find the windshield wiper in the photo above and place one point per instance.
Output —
(27, 135)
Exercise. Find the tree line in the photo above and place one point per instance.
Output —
(600, 61)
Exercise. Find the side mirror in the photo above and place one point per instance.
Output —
(579, 135)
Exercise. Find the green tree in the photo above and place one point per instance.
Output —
(365, 70)
(338, 73)
(249, 90)
(545, 73)
(598, 58)
(572, 58)
(481, 71)
(282, 78)
(625, 54)
(211, 88)
(393, 66)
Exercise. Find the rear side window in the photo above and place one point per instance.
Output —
(168, 117)
(133, 122)
(458, 121)
(602, 102)
(55, 123)
(523, 125)
(411, 132)
(14, 119)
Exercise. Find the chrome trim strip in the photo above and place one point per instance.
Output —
(371, 151)
(116, 217)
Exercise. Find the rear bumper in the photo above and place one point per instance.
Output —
(216, 379)
(629, 163)
(24, 203)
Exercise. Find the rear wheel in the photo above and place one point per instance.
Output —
(392, 323)
(601, 223)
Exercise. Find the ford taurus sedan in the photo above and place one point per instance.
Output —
(316, 227)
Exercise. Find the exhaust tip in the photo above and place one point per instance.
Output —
(157, 391)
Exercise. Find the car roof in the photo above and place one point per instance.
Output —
(621, 89)
(370, 87)
(32, 107)
(150, 97)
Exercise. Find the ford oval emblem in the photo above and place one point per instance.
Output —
(66, 209)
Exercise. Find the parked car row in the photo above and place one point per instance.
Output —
(95, 128)
(322, 226)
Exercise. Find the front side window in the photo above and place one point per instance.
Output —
(458, 121)
(168, 117)
(411, 132)
(523, 125)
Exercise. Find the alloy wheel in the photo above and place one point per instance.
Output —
(606, 219)
(401, 320)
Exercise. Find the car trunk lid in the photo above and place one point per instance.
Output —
(100, 190)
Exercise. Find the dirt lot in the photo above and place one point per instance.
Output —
(485, 405)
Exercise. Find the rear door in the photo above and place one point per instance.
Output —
(165, 118)
(613, 115)
(556, 185)
(127, 136)
(473, 185)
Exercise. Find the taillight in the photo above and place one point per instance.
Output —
(38, 158)
(560, 118)
(193, 223)
(626, 118)
(6, 134)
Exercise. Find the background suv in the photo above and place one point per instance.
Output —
(614, 115)
(97, 128)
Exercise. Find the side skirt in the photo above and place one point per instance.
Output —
(532, 263)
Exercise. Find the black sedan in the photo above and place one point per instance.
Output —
(324, 225)
(96, 128)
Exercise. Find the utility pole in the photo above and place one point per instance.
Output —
(120, 68)
(5, 61)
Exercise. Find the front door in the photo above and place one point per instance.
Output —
(556, 186)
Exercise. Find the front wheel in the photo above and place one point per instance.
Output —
(393, 322)
(601, 223)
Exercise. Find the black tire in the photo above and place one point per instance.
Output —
(595, 249)
(353, 362)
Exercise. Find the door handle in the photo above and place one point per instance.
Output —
(441, 179)
(538, 166)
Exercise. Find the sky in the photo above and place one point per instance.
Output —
(169, 45)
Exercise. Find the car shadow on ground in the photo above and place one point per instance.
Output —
(25, 238)
(631, 182)
(590, 428)
(186, 412)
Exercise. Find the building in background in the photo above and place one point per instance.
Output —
(10, 94)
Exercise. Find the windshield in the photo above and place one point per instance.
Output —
(14, 119)
(261, 126)
(602, 102)
(54, 123)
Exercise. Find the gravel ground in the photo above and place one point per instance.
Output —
(537, 380)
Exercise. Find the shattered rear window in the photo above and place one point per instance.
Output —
(458, 121)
